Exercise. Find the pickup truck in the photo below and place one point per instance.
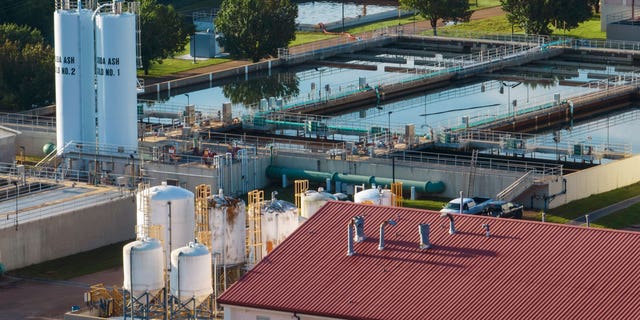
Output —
(503, 209)
(473, 205)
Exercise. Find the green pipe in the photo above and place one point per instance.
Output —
(277, 172)
(317, 176)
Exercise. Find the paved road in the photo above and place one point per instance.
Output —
(410, 28)
(597, 214)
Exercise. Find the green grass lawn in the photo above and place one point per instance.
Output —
(621, 219)
(429, 204)
(499, 25)
(76, 265)
(172, 65)
(303, 37)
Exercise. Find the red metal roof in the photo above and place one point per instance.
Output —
(525, 270)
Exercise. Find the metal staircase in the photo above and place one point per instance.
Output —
(517, 187)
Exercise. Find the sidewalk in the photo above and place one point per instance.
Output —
(597, 214)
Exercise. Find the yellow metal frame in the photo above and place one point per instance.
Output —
(300, 186)
(255, 199)
(396, 189)
(203, 230)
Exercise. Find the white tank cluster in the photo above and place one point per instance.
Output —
(279, 220)
(95, 45)
(143, 266)
(376, 196)
(227, 219)
(173, 209)
(191, 274)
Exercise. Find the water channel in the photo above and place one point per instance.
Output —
(444, 108)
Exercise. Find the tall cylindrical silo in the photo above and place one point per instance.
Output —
(173, 209)
(227, 219)
(116, 80)
(73, 65)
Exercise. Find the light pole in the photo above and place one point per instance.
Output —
(186, 94)
(320, 87)
(389, 128)
(15, 183)
(509, 86)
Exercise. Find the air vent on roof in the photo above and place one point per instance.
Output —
(350, 227)
(424, 230)
(382, 225)
(359, 223)
(486, 229)
(452, 227)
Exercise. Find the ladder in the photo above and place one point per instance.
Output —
(472, 170)
(300, 186)
(255, 199)
(203, 229)
(144, 206)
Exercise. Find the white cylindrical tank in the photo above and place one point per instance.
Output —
(191, 274)
(173, 209)
(116, 80)
(227, 219)
(73, 65)
(143, 266)
(312, 201)
(375, 196)
(279, 219)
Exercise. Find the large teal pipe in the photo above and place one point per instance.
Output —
(317, 176)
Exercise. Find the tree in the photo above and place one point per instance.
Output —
(567, 14)
(249, 93)
(434, 10)
(26, 68)
(535, 16)
(34, 13)
(164, 32)
(256, 28)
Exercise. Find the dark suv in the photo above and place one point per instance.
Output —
(503, 209)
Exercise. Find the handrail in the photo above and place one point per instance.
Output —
(510, 189)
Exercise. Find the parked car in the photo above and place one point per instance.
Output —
(469, 205)
(503, 209)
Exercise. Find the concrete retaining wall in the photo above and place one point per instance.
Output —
(596, 180)
(66, 234)
(487, 182)
(32, 141)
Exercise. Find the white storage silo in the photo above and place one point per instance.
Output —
(227, 219)
(73, 67)
(312, 201)
(143, 267)
(191, 274)
(116, 79)
(173, 209)
(279, 219)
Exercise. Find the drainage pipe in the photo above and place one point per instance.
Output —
(317, 176)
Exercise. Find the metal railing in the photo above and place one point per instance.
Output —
(25, 122)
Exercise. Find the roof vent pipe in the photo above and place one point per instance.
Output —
(359, 223)
(486, 229)
(273, 196)
(461, 203)
(350, 250)
(382, 225)
(452, 227)
(424, 230)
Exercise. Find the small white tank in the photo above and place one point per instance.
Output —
(312, 201)
(279, 220)
(374, 196)
(191, 274)
(176, 220)
(143, 266)
(227, 221)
